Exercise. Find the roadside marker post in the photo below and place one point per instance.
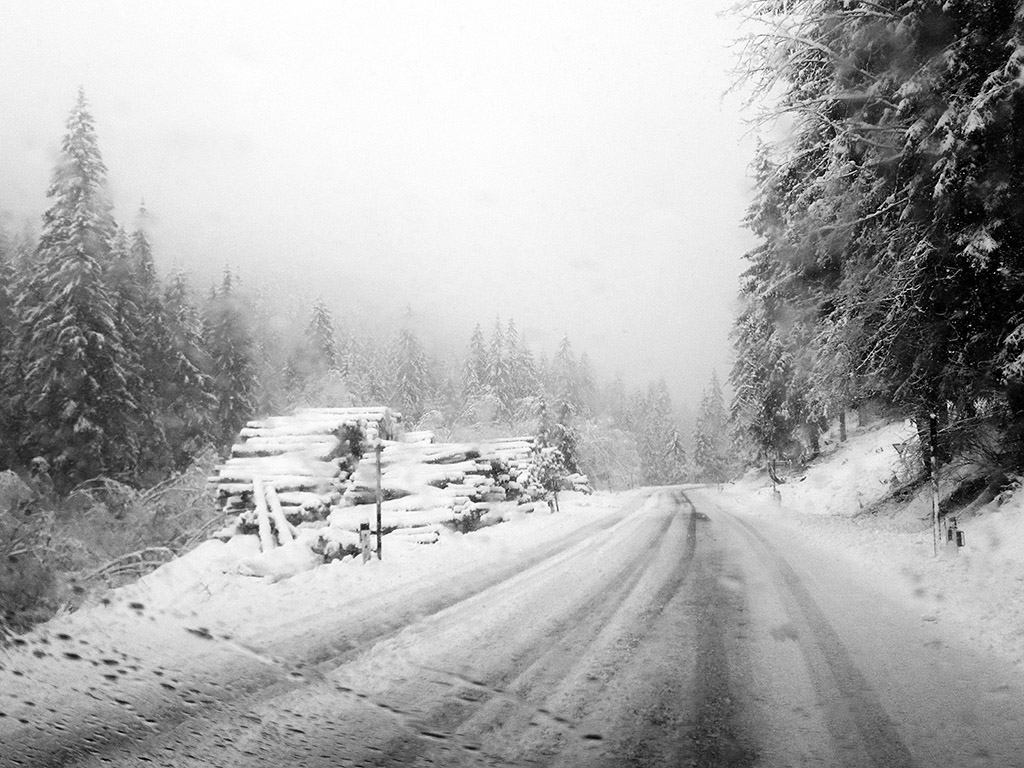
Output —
(377, 448)
(364, 540)
(955, 538)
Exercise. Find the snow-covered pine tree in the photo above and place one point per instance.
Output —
(566, 438)
(321, 336)
(525, 379)
(356, 366)
(500, 374)
(565, 387)
(675, 458)
(477, 366)
(317, 371)
(511, 337)
(187, 402)
(229, 343)
(379, 373)
(78, 400)
(516, 355)
(659, 425)
(478, 403)
(137, 308)
(543, 434)
(616, 403)
(7, 324)
(710, 440)
(545, 379)
(890, 233)
(21, 251)
(526, 384)
(586, 386)
(412, 380)
(7, 280)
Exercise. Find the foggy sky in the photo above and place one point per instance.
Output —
(570, 164)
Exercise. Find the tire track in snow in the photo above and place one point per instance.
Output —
(153, 722)
(717, 738)
(605, 662)
(511, 700)
(255, 681)
(851, 704)
(411, 719)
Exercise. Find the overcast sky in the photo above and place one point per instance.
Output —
(571, 164)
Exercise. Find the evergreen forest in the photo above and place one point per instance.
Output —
(889, 219)
(115, 368)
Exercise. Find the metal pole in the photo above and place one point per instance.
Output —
(377, 448)
(933, 432)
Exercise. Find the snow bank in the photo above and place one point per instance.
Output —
(859, 473)
(212, 586)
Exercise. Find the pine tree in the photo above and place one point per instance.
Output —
(7, 326)
(19, 295)
(565, 386)
(412, 383)
(378, 373)
(229, 343)
(7, 285)
(710, 441)
(526, 383)
(143, 330)
(616, 403)
(79, 398)
(477, 366)
(500, 382)
(652, 422)
(586, 386)
(675, 459)
(187, 401)
(322, 338)
(889, 217)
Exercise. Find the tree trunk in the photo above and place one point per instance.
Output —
(924, 438)
(842, 425)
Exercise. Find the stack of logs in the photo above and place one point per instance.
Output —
(304, 460)
(515, 454)
(319, 464)
(453, 475)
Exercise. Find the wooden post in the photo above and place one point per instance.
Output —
(267, 542)
(284, 529)
(933, 435)
(377, 448)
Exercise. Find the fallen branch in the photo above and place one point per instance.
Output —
(141, 560)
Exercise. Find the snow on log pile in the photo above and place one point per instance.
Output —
(428, 485)
(304, 484)
(518, 454)
(305, 458)
(422, 484)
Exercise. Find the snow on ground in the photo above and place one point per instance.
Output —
(208, 587)
(199, 618)
(979, 590)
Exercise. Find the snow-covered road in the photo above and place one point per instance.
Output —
(641, 631)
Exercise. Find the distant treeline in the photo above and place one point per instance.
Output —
(111, 370)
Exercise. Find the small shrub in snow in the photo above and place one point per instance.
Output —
(334, 544)
(466, 522)
(28, 591)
